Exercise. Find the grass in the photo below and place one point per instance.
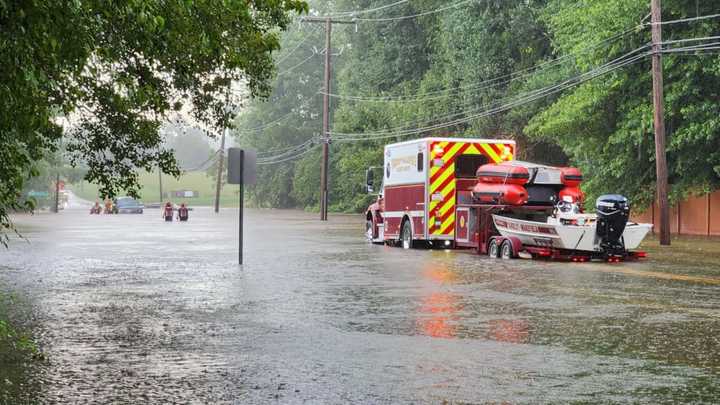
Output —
(150, 190)
(686, 253)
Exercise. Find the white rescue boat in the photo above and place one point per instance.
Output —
(568, 229)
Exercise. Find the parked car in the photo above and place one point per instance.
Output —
(128, 205)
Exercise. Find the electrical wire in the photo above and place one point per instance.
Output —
(366, 11)
(288, 159)
(523, 99)
(285, 151)
(290, 69)
(291, 151)
(684, 20)
(304, 148)
(262, 127)
(485, 84)
(529, 94)
(299, 153)
(407, 17)
(307, 37)
(201, 166)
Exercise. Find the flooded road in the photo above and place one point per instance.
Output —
(131, 309)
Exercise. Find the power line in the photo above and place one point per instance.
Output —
(627, 59)
(290, 69)
(366, 11)
(407, 17)
(520, 98)
(202, 165)
(277, 150)
(684, 20)
(308, 36)
(684, 40)
(288, 150)
(302, 150)
(262, 127)
(523, 99)
(488, 83)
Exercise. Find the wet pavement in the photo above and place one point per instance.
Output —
(130, 309)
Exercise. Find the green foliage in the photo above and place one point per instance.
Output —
(117, 69)
(606, 125)
(481, 56)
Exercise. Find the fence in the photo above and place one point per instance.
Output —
(694, 216)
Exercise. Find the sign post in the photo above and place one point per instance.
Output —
(241, 170)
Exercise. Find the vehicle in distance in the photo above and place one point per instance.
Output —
(128, 205)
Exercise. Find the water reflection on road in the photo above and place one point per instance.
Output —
(133, 309)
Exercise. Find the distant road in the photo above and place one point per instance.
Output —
(75, 202)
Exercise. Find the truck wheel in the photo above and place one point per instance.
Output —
(494, 249)
(506, 250)
(406, 239)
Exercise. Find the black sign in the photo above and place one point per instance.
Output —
(247, 158)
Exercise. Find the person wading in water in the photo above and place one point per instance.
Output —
(168, 211)
(182, 213)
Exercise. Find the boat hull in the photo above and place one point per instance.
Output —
(567, 237)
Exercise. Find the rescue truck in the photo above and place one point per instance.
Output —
(471, 193)
(417, 199)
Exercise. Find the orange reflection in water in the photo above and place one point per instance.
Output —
(509, 331)
(439, 310)
(438, 315)
(439, 273)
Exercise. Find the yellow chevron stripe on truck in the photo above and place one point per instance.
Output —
(442, 179)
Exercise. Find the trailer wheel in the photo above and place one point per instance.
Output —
(494, 249)
(506, 250)
(406, 237)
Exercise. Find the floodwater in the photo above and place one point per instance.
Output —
(128, 308)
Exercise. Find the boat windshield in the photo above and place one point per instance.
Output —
(546, 175)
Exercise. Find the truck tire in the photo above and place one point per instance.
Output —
(406, 237)
(494, 248)
(506, 250)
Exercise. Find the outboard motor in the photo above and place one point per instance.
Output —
(613, 212)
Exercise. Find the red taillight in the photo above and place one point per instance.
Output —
(641, 255)
(544, 253)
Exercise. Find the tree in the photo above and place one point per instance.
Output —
(606, 125)
(189, 146)
(117, 70)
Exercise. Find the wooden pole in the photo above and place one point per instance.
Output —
(57, 192)
(659, 118)
(218, 185)
(324, 168)
(160, 184)
(326, 125)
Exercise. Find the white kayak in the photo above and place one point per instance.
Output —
(575, 232)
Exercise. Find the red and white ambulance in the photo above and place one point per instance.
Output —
(417, 200)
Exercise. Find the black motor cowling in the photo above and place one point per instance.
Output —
(613, 212)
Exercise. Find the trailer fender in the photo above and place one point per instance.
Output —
(515, 241)
(517, 245)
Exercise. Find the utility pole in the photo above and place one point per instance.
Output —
(326, 110)
(57, 193)
(659, 118)
(218, 186)
(160, 183)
